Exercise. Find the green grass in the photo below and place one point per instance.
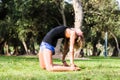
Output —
(27, 68)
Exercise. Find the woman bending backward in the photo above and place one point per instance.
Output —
(48, 44)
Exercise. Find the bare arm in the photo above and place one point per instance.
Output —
(72, 41)
(65, 51)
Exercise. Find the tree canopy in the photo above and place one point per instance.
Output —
(23, 23)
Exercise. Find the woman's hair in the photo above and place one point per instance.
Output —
(79, 42)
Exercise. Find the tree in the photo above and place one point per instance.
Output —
(27, 22)
(99, 16)
(78, 18)
(78, 13)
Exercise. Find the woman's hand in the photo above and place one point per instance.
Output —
(75, 67)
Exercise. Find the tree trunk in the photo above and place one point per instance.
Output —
(25, 47)
(16, 53)
(62, 6)
(115, 52)
(61, 9)
(117, 44)
(2, 47)
(6, 47)
(78, 13)
(94, 50)
(78, 19)
(1, 50)
(32, 47)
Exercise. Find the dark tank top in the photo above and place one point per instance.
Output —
(54, 34)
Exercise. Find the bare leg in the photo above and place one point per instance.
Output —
(41, 60)
(47, 54)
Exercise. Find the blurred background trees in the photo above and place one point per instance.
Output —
(23, 24)
(101, 16)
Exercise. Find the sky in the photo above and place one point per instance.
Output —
(69, 1)
(118, 2)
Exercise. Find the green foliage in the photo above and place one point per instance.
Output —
(27, 68)
(30, 20)
(100, 16)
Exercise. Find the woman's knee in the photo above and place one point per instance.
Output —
(41, 60)
(42, 67)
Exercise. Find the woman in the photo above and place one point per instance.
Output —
(48, 44)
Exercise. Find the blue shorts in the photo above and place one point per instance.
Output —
(45, 45)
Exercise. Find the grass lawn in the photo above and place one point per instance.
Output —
(27, 68)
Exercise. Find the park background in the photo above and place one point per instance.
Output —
(24, 23)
